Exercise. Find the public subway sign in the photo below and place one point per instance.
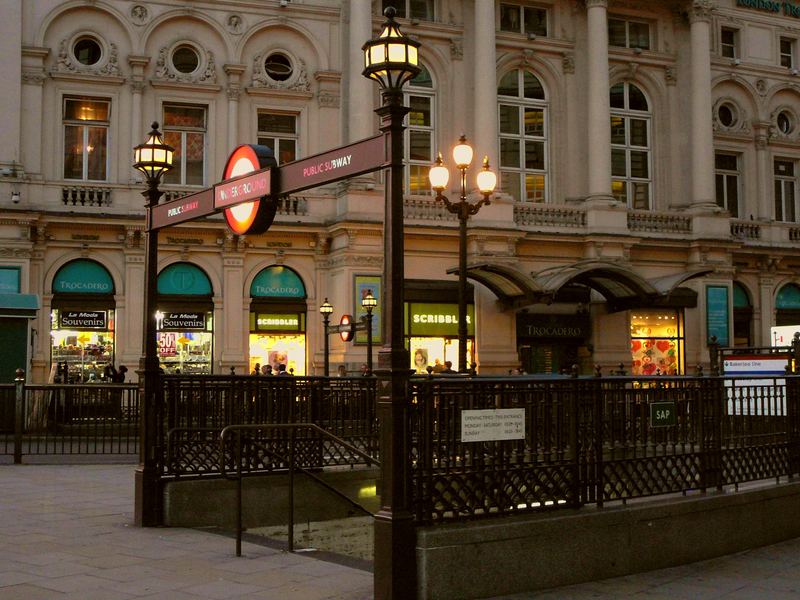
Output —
(183, 209)
(83, 319)
(492, 425)
(788, 9)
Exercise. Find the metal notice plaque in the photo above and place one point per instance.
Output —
(662, 414)
(493, 425)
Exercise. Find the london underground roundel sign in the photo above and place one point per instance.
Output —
(253, 216)
(347, 330)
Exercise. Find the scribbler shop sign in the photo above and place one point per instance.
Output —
(788, 9)
(83, 319)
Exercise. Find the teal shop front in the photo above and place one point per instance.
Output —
(82, 322)
(185, 320)
(16, 311)
(278, 320)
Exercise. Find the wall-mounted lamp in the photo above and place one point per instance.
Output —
(15, 196)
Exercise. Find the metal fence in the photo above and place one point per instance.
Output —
(60, 419)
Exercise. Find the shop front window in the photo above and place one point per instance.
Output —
(82, 343)
(185, 342)
(433, 335)
(657, 343)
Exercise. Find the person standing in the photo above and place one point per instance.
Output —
(448, 368)
(282, 370)
(266, 370)
(256, 369)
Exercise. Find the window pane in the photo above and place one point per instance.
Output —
(536, 21)
(618, 165)
(420, 114)
(509, 18)
(399, 5)
(639, 35)
(195, 152)
(533, 87)
(784, 167)
(85, 110)
(268, 142)
(418, 180)
(534, 155)
(619, 190)
(789, 200)
(733, 195)
(725, 161)
(617, 96)
(419, 146)
(509, 85)
(509, 183)
(184, 116)
(641, 195)
(96, 152)
(73, 152)
(421, 9)
(636, 99)
(175, 175)
(424, 78)
(638, 132)
(639, 166)
(617, 129)
(509, 153)
(534, 187)
(719, 188)
(534, 122)
(778, 201)
(287, 151)
(509, 119)
(616, 33)
(276, 123)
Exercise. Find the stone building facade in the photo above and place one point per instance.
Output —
(629, 244)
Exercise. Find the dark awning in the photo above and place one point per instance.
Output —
(622, 287)
(19, 305)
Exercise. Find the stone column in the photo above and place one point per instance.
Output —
(764, 313)
(232, 347)
(701, 132)
(764, 175)
(234, 91)
(11, 28)
(138, 134)
(485, 142)
(360, 90)
(598, 112)
(30, 121)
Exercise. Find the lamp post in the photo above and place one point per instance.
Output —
(392, 59)
(153, 159)
(368, 303)
(487, 180)
(325, 310)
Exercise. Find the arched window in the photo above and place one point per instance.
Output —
(630, 146)
(420, 97)
(522, 110)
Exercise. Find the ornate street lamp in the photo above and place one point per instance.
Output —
(153, 159)
(368, 303)
(486, 180)
(325, 310)
(392, 59)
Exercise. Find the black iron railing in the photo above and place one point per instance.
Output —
(69, 419)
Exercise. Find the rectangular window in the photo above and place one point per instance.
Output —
(411, 9)
(785, 191)
(729, 38)
(787, 53)
(628, 34)
(419, 142)
(185, 130)
(278, 132)
(86, 122)
(530, 20)
(727, 182)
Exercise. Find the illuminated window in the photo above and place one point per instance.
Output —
(185, 130)
(86, 123)
(630, 146)
(420, 97)
(278, 131)
(657, 343)
(522, 110)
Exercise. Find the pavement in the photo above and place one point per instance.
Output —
(66, 532)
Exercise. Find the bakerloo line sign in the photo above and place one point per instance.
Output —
(253, 182)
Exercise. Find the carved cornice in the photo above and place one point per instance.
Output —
(298, 82)
(165, 71)
(596, 4)
(34, 77)
(701, 10)
(66, 63)
(329, 100)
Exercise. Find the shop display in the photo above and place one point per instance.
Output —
(81, 352)
(185, 352)
(276, 349)
(656, 343)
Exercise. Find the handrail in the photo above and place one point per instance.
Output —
(292, 427)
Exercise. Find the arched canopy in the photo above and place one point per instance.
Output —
(788, 297)
(277, 281)
(184, 279)
(83, 276)
(621, 286)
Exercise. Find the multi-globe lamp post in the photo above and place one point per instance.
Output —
(368, 303)
(392, 59)
(152, 159)
(464, 209)
(325, 310)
